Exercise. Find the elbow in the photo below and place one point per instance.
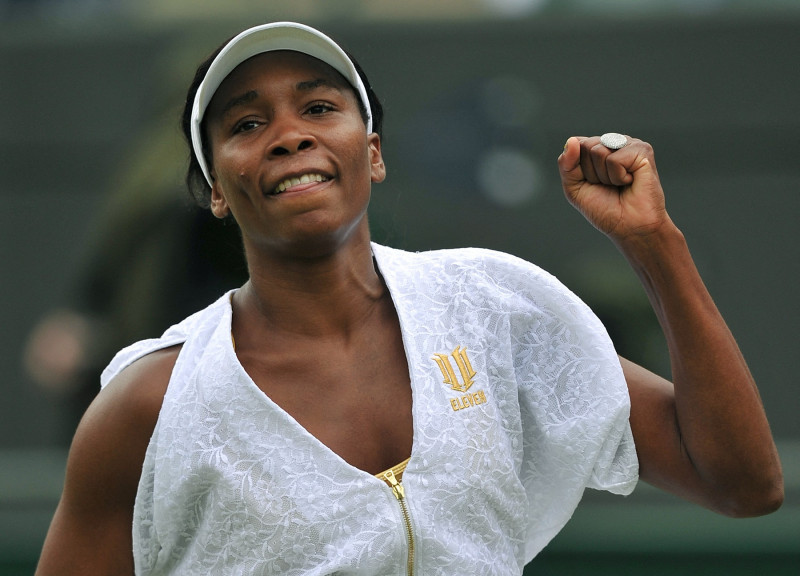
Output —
(775, 501)
(767, 502)
(754, 488)
(754, 501)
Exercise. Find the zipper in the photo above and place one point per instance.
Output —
(400, 493)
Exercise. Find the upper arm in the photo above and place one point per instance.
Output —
(701, 449)
(663, 459)
(91, 531)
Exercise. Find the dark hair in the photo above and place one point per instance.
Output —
(196, 182)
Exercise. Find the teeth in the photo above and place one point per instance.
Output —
(304, 179)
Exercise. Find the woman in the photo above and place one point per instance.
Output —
(356, 409)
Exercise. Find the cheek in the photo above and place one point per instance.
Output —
(226, 152)
(358, 156)
(232, 170)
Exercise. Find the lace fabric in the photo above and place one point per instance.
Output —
(519, 404)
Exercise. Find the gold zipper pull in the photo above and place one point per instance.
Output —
(397, 488)
(400, 493)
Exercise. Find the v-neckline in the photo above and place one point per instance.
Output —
(245, 377)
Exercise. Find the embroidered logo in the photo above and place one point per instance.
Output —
(466, 400)
(464, 366)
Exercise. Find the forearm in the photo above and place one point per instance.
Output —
(719, 416)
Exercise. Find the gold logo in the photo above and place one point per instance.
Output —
(464, 367)
(465, 399)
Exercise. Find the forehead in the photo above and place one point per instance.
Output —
(278, 67)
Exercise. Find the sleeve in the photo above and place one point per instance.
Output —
(573, 400)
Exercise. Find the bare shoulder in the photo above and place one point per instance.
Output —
(137, 391)
(117, 426)
(91, 530)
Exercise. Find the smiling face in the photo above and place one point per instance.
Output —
(290, 155)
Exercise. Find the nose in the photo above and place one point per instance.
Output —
(289, 138)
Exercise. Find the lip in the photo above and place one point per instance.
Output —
(299, 182)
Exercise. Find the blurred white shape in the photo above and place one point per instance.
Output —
(509, 176)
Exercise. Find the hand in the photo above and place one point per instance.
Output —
(618, 191)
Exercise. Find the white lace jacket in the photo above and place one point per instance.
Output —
(519, 404)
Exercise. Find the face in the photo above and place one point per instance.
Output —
(291, 159)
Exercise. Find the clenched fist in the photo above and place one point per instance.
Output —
(618, 191)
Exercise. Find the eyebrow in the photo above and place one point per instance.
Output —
(303, 86)
(308, 85)
(240, 100)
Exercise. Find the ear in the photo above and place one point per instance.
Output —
(377, 167)
(219, 205)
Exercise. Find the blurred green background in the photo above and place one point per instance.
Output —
(480, 96)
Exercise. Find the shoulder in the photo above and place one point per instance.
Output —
(110, 443)
(445, 255)
(196, 327)
(108, 450)
(139, 388)
(458, 262)
(92, 524)
(114, 433)
(478, 273)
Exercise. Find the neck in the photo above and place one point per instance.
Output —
(317, 296)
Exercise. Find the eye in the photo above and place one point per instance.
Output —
(245, 125)
(320, 108)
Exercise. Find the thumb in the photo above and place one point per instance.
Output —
(569, 166)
